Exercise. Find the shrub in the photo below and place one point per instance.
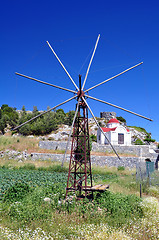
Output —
(17, 192)
(121, 119)
(120, 208)
(149, 140)
(121, 168)
(93, 138)
(138, 142)
(154, 191)
(28, 166)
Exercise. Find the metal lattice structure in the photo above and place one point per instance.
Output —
(80, 164)
(80, 176)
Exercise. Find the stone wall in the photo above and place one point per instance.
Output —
(135, 154)
(55, 145)
(133, 150)
(129, 162)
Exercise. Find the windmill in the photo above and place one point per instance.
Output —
(80, 175)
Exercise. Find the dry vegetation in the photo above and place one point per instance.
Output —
(31, 145)
(23, 144)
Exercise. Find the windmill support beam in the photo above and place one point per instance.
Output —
(80, 163)
(69, 138)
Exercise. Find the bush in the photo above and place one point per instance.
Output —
(149, 140)
(93, 138)
(154, 191)
(17, 192)
(121, 168)
(121, 119)
(120, 208)
(138, 142)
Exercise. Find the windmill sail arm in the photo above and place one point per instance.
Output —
(91, 61)
(43, 113)
(110, 104)
(62, 65)
(70, 132)
(37, 80)
(100, 127)
(114, 77)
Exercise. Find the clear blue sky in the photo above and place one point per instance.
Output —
(129, 34)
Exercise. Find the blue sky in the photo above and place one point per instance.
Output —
(129, 34)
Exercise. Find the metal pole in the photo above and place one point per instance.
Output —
(42, 113)
(113, 77)
(34, 79)
(62, 65)
(118, 107)
(91, 61)
(100, 128)
(80, 84)
(140, 191)
(70, 133)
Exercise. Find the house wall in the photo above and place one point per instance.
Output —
(113, 136)
(101, 138)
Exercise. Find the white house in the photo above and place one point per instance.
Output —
(115, 132)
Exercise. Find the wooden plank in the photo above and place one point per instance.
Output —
(96, 186)
(103, 187)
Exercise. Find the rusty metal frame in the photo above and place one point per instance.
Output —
(80, 164)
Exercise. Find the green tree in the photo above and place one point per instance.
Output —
(69, 117)
(35, 111)
(148, 139)
(25, 130)
(23, 112)
(3, 123)
(8, 116)
(60, 116)
(50, 122)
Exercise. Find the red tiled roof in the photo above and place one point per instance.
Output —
(108, 129)
(113, 120)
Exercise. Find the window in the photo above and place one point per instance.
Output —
(120, 138)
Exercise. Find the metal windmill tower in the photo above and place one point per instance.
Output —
(80, 175)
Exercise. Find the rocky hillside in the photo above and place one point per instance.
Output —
(138, 134)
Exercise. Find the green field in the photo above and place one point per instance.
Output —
(33, 204)
(111, 215)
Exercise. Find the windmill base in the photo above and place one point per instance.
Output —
(97, 188)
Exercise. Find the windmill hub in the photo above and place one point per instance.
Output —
(80, 93)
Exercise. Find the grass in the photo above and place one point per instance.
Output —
(139, 129)
(111, 153)
(23, 144)
(31, 145)
(116, 214)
